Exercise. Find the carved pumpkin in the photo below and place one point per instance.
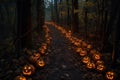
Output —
(44, 46)
(85, 59)
(78, 50)
(90, 65)
(100, 67)
(20, 78)
(99, 62)
(33, 58)
(89, 46)
(83, 52)
(76, 43)
(93, 51)
(96, 56)
(110, 75)
(28, 70)
(84, 44)
(40, 63)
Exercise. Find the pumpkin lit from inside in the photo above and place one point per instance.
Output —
(40, 63)
(83, 52)
(20, 78)
(110, 75)
(84, 44)
(96, 56)
(99, 62)
(93, 51)
(90, 65)
(100, 67)
(78, 50)
(86, 59)
(34, 57)
(89, 46)
(28, 70)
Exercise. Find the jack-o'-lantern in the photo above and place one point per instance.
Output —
(99, 62)
(96, 57)
(84, 44)
(33, 58)
(42, 51)
(110, 75)
(78, 50)
(93, 51)
(40, 63)
(100, 67)
(20, 78)
(28, 70)
(86, 59)
(90, 65)
(44, 46)
(89, 46)
(76, 43)
(83, 52)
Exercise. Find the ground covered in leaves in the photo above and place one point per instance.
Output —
(62, 63)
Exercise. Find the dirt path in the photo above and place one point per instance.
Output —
(63, 63)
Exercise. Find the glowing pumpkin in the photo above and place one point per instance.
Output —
(76, 43)
(20, 78)
(90, 65)
(99, 62)
(28, 70)
(83, 52)
(40, 63)
(78, 50)
(84, 44)
(110, 75)
(33, 58)
(93, 51)
(96, 56)
(89, 46)
(85, 59)
(100, 67)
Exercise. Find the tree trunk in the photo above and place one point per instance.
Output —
(56, 11)
(86, 21)
(40, 15)
(75, 17)
(24, 27)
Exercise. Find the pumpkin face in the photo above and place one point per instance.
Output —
(20, 78)
(85, 59)
(42, 51)
(78, 50)
(96, 56)
(28, 70)
(89, 46)
(83, 52)
(90, 65)
(99, 62)
(93, 51)
(44, 46)
(40, 63)
(84, 44)
(110, 75)
(76, 43)
(100, 67)
(34, 57)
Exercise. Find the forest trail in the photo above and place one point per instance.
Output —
(62, 63)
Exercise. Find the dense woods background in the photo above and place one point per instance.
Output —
(95, 21)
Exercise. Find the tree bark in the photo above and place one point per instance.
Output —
(24, 27)
(75, 17)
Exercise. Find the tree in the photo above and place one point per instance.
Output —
(24, 27)
(56, 11)
(40, 14)
(75, 17)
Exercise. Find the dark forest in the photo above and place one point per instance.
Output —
(59, 40)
